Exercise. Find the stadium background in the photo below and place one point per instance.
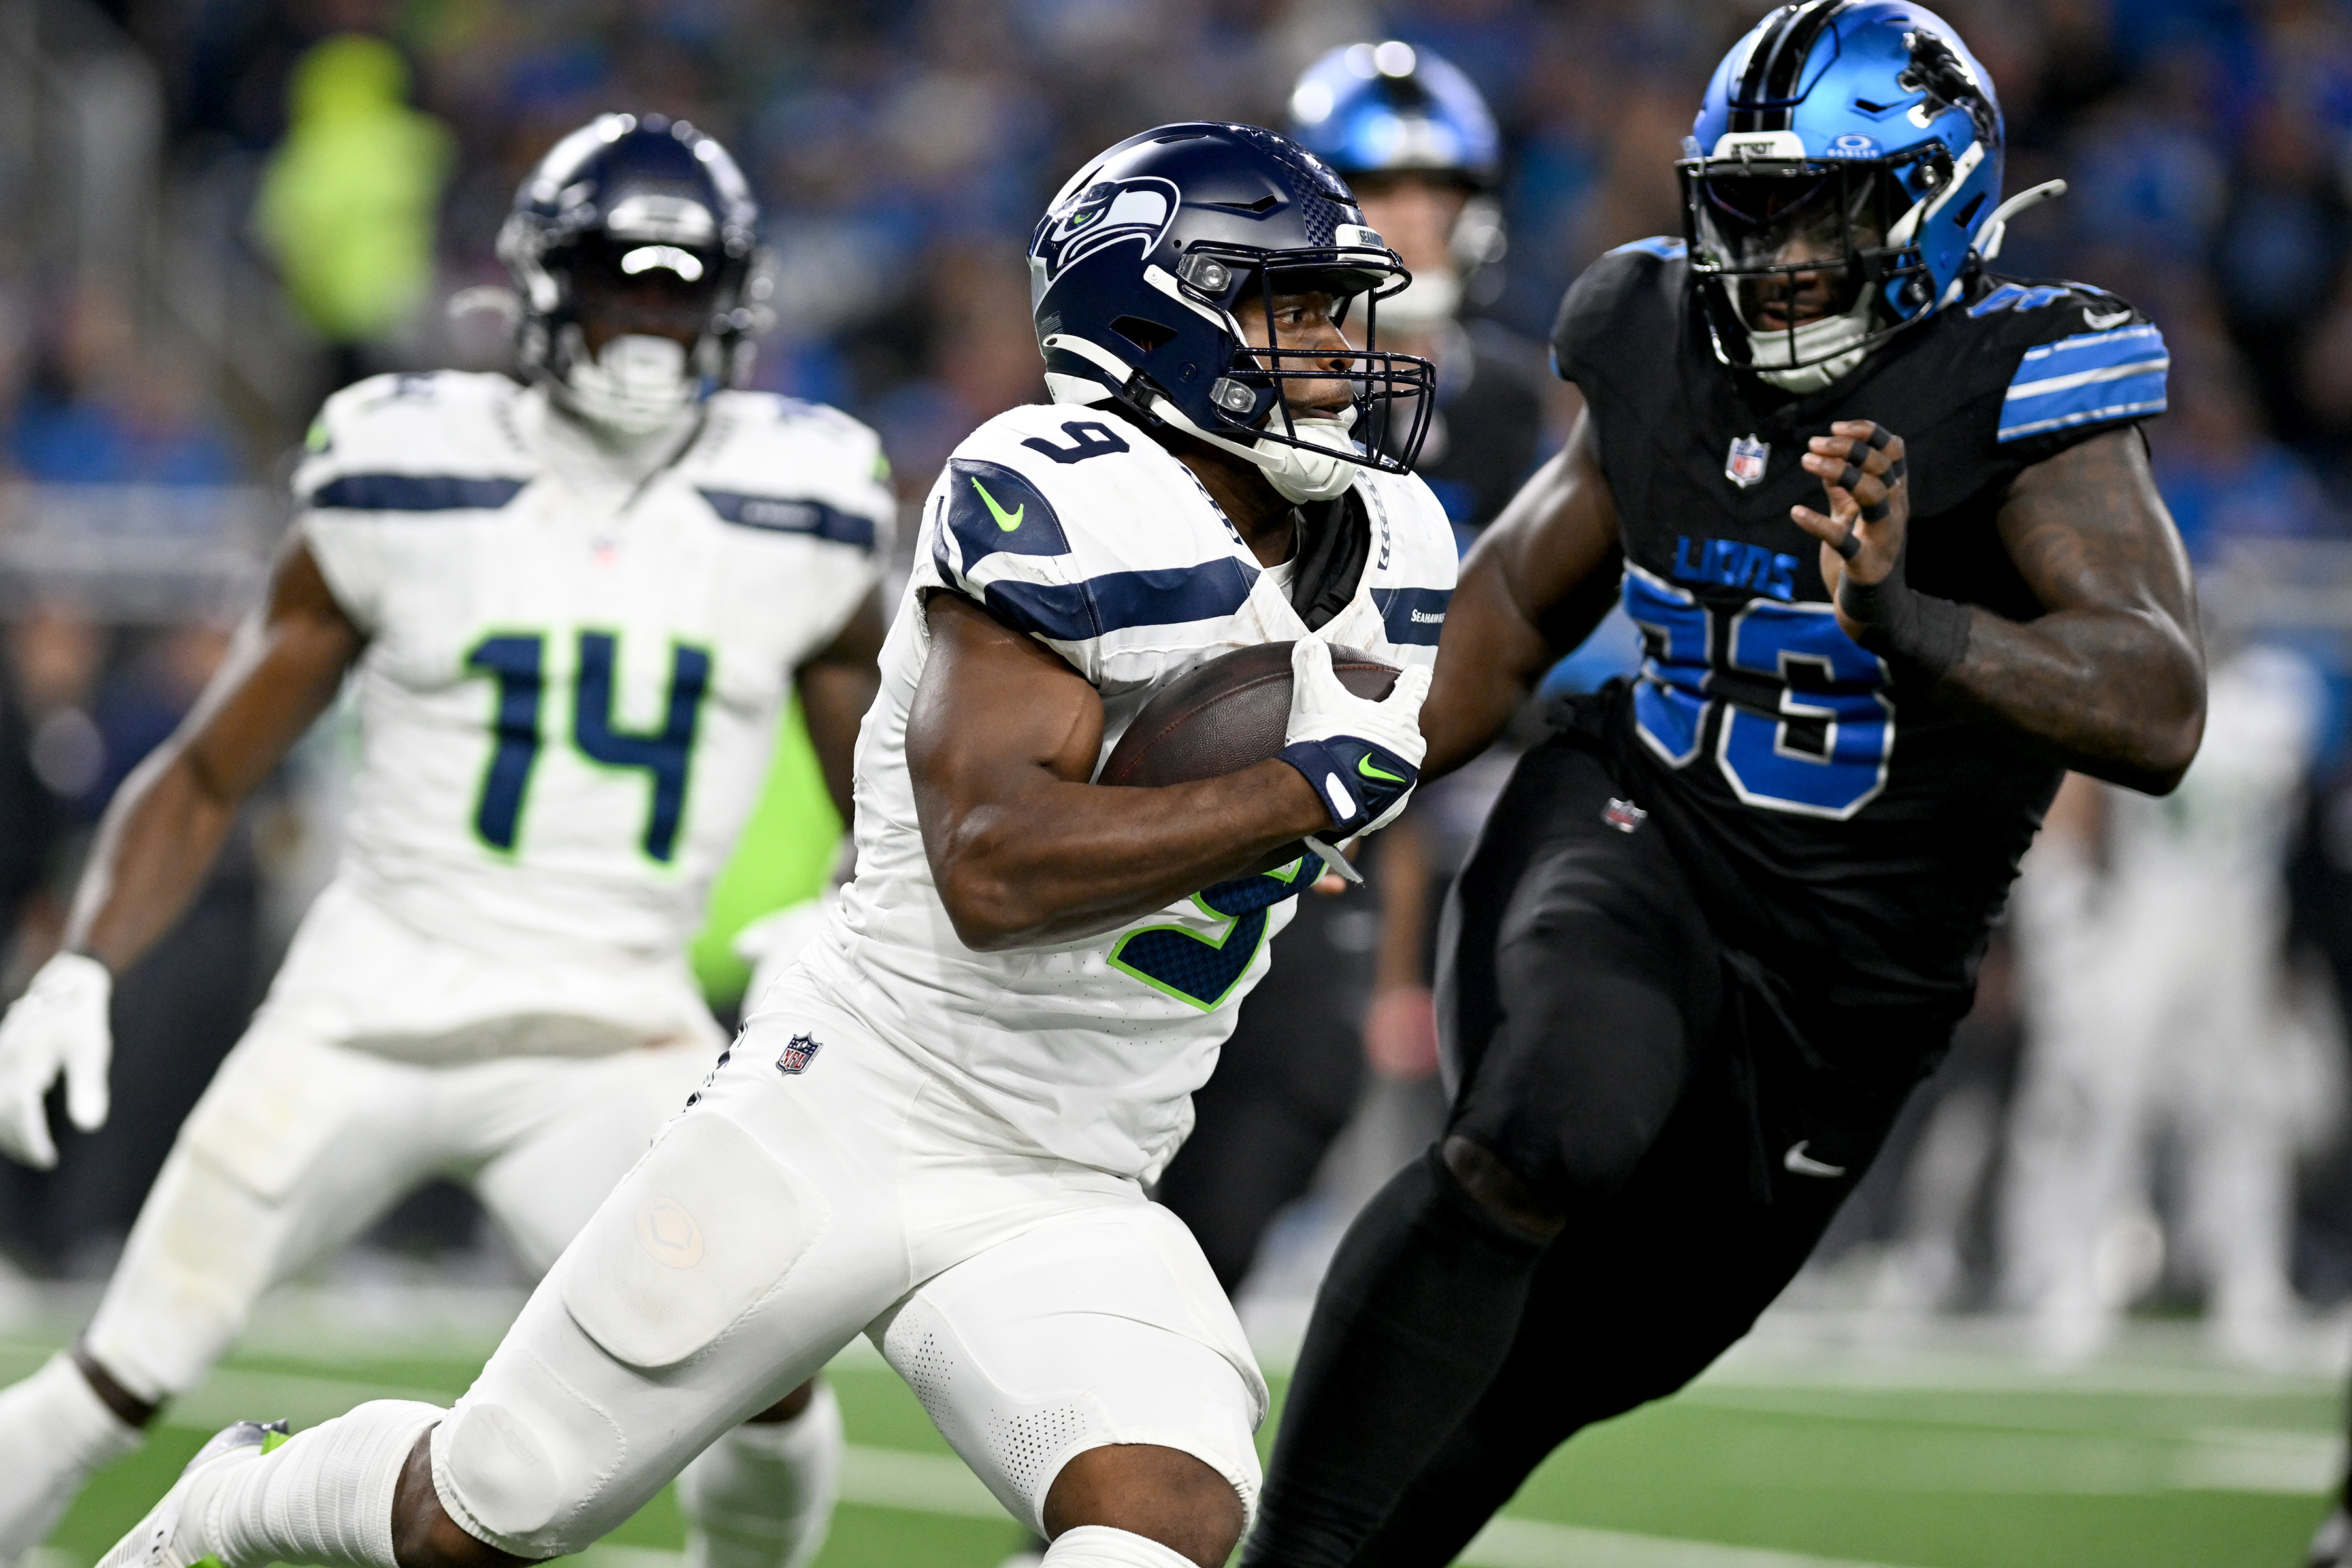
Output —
(212, 212)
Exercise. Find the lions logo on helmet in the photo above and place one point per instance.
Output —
(1106, 214)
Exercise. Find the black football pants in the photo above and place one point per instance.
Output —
(1638, 1077)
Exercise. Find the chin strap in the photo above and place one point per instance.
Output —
(1298, 474)
(1811, 339)
(637, 386)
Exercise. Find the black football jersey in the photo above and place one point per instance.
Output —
(1845, 830)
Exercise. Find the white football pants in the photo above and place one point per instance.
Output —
(517, 1069)
(824, 1185)
(300, 1145)
(2155, 1012)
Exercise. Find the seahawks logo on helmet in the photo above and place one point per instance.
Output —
(1104, 214)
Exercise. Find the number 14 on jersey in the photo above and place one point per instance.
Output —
(517, 661)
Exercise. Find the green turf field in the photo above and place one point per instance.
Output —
(1946, 1458)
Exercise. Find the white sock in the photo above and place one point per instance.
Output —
(325, 1497)
(762, 1496)
(54, 1434)
(1100, 1546)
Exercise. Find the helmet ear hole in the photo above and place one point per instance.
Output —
(1144, 335)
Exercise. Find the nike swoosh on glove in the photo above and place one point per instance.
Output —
(59, 1025)
(1361, 757)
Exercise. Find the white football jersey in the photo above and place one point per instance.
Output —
(1073, 525)
(573, 680)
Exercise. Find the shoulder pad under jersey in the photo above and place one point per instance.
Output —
(1071, 525)
(1631, 293)
(2084, 359)
(437, 442)
(778, 464)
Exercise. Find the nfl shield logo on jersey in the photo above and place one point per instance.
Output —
(1745, 464)
(798, 1053)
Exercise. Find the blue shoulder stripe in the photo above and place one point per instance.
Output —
(993, 511)
(1658, 245)
(1121, 601)
(414, 492)
(1413, 615)
(2089, 379)
(2020, 297)
(774, 514)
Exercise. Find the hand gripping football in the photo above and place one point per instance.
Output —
(1226, 715)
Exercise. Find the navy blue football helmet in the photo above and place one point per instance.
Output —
(1136, 269)
(650, 221)
(1848, 147)
(1377, 108)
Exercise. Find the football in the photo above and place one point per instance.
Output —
(1228, 713)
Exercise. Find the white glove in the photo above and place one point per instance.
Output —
(774, 942)
(1362, 757)
(59, 1025)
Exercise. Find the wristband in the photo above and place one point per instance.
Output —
(1920, 630)
(1355, 780)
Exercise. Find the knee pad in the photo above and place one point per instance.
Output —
(522, 1461)
(1086, 1333)
(691, 1239)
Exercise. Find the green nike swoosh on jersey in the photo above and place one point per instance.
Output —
(1364, 766)
(1007, 520)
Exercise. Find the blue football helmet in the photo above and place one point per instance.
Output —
(649, 222)
(1377, 108)
(1137, 267)
(1844, 166)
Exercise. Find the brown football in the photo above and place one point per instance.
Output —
(1226, 715)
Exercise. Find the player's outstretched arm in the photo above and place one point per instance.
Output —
(159, 836)
(157, 841)
(2111, 680)
(1531, 589)
(1002, 740)
(837, 687)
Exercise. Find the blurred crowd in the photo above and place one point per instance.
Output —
(323, 179)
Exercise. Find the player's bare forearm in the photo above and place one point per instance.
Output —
(835, 688)
(2109, 680)
(158, 839)
(1001, 742)
(1402, 876)
(1531, 589)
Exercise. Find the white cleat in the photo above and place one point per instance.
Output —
(149, 1544)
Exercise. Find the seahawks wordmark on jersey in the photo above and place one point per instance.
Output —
(1851, 831)
(1074, 526)
(571, 682)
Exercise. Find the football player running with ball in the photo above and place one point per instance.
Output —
(936, 1129)
(1886, 522)
(574, 613)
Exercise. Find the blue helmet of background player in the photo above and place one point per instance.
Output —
(646, 225)
(1844, 166)
(1137, 270)
(1388, 111)
(1369, 108)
